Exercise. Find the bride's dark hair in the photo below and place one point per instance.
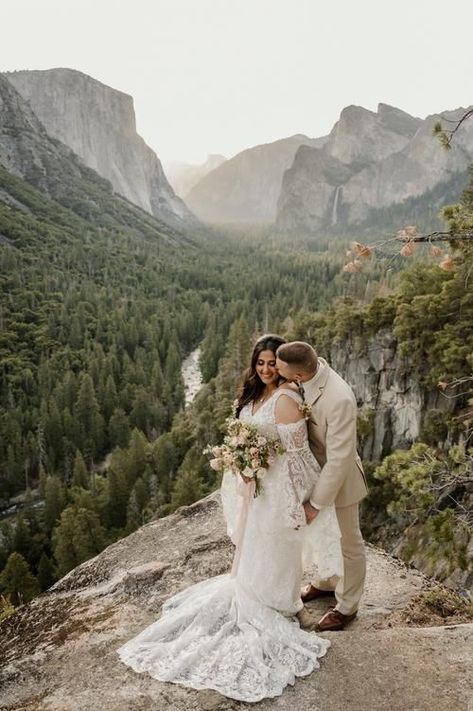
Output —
(252, 386)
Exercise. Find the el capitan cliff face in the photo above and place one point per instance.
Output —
(98, 123)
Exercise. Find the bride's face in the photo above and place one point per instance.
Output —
(266, 368)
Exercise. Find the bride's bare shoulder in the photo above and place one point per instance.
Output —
(287, 405)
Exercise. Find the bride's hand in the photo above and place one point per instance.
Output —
(246, 479)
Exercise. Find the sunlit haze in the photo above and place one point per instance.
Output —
(219, 76)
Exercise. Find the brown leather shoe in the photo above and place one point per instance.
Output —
(310, 593)
(333, 620)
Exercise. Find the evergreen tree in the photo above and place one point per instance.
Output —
(63, 542)
(30, 513)
(140, 413)
(17, 581)
(80, 475)
(69, 390)
(6, 542)
(46, 576)
(211, 350)
(110, 398)
(117, 500)
(189, 485)
(137, 457)
(173, 386)
(54, 502)
(157, 377)
(89, 538)
(235, 360)
(75, 335)
(133, 513)
(69, 427)
(165, 458)
(155, 498)
(89, 434)
(119, 429)
(54, 434)
(22, 539)
(141, 493)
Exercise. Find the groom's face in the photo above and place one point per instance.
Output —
(285, 370)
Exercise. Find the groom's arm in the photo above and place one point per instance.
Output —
(340, 447)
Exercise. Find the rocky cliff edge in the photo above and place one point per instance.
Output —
(58, 653)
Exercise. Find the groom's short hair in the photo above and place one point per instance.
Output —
(299, 355)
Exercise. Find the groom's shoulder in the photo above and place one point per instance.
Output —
(336, 382)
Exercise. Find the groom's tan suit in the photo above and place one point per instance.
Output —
(332, 439)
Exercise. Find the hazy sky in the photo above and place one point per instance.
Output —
(218, 76)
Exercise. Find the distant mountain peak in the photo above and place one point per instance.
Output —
(245, 189)
(183, 176)
(371, 162)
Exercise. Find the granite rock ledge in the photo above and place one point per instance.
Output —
(58, 653)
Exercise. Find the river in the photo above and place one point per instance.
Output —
(192, 376)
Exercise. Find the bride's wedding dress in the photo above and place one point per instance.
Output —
(237, 633)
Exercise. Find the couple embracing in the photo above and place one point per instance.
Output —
(247, 634)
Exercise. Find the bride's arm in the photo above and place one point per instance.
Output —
(292, 430)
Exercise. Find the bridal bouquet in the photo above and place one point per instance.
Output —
(244, 451)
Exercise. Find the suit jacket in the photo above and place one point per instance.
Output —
(332, 439)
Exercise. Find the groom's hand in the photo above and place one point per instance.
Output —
(310, 512)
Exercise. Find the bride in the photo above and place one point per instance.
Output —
(239, 633)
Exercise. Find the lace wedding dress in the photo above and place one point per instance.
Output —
(237, 633)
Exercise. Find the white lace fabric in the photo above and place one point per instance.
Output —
(239, 635)
(213, 636)
(301, 468)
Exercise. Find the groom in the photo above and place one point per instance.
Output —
(332, 439)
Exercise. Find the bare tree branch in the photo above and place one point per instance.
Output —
(446, 136)
(438, 237)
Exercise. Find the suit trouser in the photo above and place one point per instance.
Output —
(349, 588)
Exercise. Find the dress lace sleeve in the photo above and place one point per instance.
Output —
(321, 539)
(302, 471)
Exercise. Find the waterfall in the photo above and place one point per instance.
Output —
(336, 199)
